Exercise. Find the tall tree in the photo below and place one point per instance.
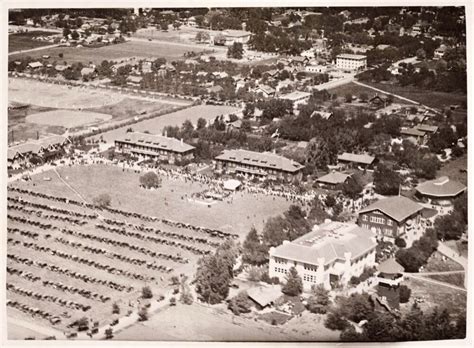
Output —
(254, 252)
(294, 284)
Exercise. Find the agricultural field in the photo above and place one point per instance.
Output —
(24, 41)
(156, 125)
(455, 169)
(118, 51)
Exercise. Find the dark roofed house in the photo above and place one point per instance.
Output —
(333, 180)
(414, 135)
(441, 191)
(389, 277)
(361, 160)
(265, 295)
(378, 102)
(391, 217)
(267, 91)
(153, 146)
(258, 164)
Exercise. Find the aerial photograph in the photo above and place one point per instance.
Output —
(236, 174)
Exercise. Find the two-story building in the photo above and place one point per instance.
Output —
(258, 164)
(331, 253)
(351, 62)
(391, 217)
(353, 159)
(153, 146)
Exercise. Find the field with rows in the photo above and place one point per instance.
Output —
(67, 260)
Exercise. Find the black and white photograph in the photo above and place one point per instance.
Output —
(236, 174)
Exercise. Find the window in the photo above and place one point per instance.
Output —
(364, 218)
(389, 222)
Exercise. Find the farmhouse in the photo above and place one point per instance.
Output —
(351, 62)
(153, 146)
(258, 164)
(391, 217)
(331, 253)
(351, 159)
(441, 191)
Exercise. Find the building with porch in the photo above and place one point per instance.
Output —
(153, 146)
(389, 276)
(331, 253)
(258, 164)
(391, 217)
(441, 191)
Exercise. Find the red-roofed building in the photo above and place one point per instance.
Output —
(332, 253)
(391, 217)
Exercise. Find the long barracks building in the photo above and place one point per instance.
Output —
(258, 164)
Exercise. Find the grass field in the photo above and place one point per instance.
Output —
(169, 201)
(24, 41)
(455, 279)
(67, 118)
(435, 295)
(123, 50)
(156, 125)
(436, 264)
(356, 91)
(453, 168)
(433, 99)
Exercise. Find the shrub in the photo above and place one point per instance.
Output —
(173, 301)
(400, 242)
(146, 292)
(240, 303)
(354, 280)
(109, 333)
(405, 293)
(102, 200)
(335, 322)
(254, 274)
(294, 284)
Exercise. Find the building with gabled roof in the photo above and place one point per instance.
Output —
(351, 62)
(441, 191)
(333, 179)
(331, 253)
(154, 146)
(258, 164)
(350, 159)
(391, 217)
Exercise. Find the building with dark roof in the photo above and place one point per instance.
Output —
(441, 191)
(331, 253)
(333, 180)
(258, 164)
(391, 217)
(350, 159)
(153, 146)
(389, 277)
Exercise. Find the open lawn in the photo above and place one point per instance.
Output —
(356, 90)
(202, 323)
(118, 51)
(169, 201)
(455, 279)
(24, 41)
(455, 169)
(156, 125)
(67, 118)
(432, 99)
(435, 295)
(437, 264)
(58, 96)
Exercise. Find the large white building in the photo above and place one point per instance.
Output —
(352, 62)
(332, 252)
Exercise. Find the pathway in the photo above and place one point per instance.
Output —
(335, 83)
(388, 93)
(47, 331)
(455, 256)
(428, 280)
(34, 49)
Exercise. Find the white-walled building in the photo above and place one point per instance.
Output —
(351, 62)
(331, 252)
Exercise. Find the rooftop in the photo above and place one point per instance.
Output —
(36, 146)
(351, 56)
(334, 178)
(265, 294)
(296, 95)
(398, 208)
(352, 157)
(155, 141)
(441, 187)
(390, 266)
(260, 159)
(413, 132)
(331, 241)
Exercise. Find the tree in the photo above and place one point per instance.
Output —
(176, 25)
(352, 188)
(386, 181)
(254, 252)
(109, 333)
(214, 273)
(186, 297)
(450, 226)
(364, 97)
(274, 231)
(146, 292)
(334, 321)
(201, 123)
(400, 242)
(202, 36)
(75, 35)
(102, 200)
(294, 284)
(149, 180)
(66, 32)
(348, 98)
(240, 303)
(235, 51)
(318, 300)
(421, 54)
(405, 293)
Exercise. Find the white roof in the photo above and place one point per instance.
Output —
(351, 56)
(231, 184)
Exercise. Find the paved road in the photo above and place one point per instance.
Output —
(388, 93)
(335, 83)
(33, 49)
